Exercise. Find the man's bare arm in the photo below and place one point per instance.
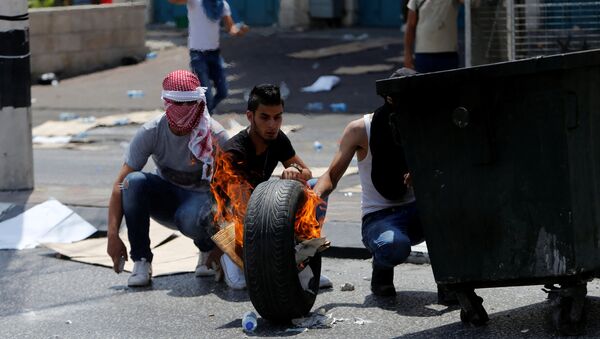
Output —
(232, 29)
(353, 138)
(115, 246)
(409, 39)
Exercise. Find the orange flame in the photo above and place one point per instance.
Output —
(307, 226)
(231, 192)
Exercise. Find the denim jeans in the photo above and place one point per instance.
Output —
(208, 66)
(146, 195)
(321, 210)
(389, 233)
(435, 62)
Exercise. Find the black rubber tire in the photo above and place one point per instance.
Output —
(269, 253)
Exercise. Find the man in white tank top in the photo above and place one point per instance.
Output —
(389, 227)
(204, 17)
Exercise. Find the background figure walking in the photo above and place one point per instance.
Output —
(205, 17)
(432, 30)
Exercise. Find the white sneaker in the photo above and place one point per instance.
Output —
(141, 274)
(325, 282)
(201, 269)
(234, 276)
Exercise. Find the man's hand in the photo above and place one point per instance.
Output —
(116, 249)
(294, 174)
(407, 180)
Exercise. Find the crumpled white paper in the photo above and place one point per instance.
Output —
(47, 222)
(323, 83)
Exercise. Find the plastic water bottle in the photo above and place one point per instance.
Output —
(338, 107)
(249, 321)
(135, 93)
(318, 146)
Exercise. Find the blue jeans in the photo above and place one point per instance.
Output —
(389, 233)
(146, 195)
(208, 66)
(321, 210)
(435, 62)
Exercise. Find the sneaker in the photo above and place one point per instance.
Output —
(234, 276)
(382, 282)
(201, 269)
(325, 282)
(141, 274)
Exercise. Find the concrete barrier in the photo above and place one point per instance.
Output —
(75, 40)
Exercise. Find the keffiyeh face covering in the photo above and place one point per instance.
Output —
(185, 105)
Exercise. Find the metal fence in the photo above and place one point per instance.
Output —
(501, 30)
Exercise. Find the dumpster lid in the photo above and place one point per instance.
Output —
(389, 87)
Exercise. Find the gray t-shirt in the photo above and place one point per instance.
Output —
(174, 161)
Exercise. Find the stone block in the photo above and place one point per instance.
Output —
(39, 23)
(70, 42)
(97, 40)
(41, 44)
(60, 22)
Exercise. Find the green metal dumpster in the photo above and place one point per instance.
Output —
(505, 160)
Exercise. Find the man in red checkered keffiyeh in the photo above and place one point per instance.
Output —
(185, 105)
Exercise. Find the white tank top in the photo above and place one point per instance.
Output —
(371, 200)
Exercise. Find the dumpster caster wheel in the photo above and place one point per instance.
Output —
(472, 310)
(568, 314)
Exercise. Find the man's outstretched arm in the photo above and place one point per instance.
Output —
(353, 138)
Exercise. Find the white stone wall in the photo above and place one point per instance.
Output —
(80, 39)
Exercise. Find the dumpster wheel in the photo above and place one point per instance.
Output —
(279, 289)
(568, 313)
(472, 310)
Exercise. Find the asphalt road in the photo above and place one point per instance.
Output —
(46, 297)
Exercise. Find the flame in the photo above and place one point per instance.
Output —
(307, 226)
(231, 192)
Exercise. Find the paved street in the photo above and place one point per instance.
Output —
(48, 297)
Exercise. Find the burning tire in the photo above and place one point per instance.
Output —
(278, 289)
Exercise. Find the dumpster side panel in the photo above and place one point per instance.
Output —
(494, 194)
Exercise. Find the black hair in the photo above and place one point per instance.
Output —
(265, 94)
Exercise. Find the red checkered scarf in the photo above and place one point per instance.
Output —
(184, 86)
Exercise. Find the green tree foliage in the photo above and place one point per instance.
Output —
(40, 3)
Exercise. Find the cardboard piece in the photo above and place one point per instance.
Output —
(347, 48)
(225, 239)
(356, 70)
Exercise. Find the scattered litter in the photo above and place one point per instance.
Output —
(323, 83)
(315, 65)
(348, 194)
(367, 278)
(33, 100)
(284, 90)
(57, 140)
(130, 60)
(314, 106)
(338, 107)
(398, 59)
(66, 116)
(317, 146)
(347, 287)
(350, 37)
(525, 330)
(211, 315)
(345, 48)
(296, 330)
(318, 319)
(249, 321)
(151, 55)
(50, 221)
(361, 321)
(135, 93)
(48, 79)
(363, 69)
(68, 322)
